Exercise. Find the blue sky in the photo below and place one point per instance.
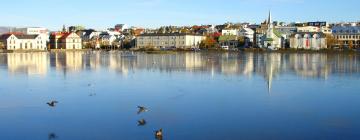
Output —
(100, 14)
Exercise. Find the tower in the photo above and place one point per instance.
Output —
(270, 26)
(64, 28)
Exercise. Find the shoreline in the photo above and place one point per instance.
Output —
(151, 51)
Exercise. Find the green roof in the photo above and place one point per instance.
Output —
(227, 38)
(269, 39)
(277, 33)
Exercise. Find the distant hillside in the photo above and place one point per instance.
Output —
(4, 29)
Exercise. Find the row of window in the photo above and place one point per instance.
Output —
(14, 42)
(346, 31)
(21, 47)
(347, 36)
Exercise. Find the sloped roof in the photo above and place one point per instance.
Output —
(346, 29)
(277, 33)
(26, 36)
(6, 36)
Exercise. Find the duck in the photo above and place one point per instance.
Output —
(158, 134)
(52, 103)
(141, 122)
(142, 109)
(52, 136)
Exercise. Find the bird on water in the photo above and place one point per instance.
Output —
(52, 103)
(142, 109)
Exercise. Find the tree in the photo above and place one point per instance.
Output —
(351, 45)
(331, 41)
(2, 46)
(241, 41)
(341, 44)
(209, 42)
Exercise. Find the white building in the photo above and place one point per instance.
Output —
(308, 40)
(172, 40)
(247, 33)
(273, 38)
(323, 29)
(230, 32)
(24, 42)
(65, 40)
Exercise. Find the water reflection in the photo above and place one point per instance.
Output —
(267, 65)
(28, 63)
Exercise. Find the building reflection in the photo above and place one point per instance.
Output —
(266, 65)
(28, 63)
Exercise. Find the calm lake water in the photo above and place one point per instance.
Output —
(192, 96)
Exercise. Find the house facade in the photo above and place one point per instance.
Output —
(229, 31)
(65, 40)
(348, 36)
(308, 40)
(229, 41)
(169, 40)
(24, 42)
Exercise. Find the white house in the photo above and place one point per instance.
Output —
(170, 40)
(230, 31)
(308, 40)
(65, 40)
(247, 33)
(24, 42)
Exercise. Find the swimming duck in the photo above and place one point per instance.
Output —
(158, 134)
(52, 103)
(142, 109)
(141, 122)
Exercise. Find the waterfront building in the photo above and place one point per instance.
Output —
(286, 32)
(248, 34)
(230, 31)
(169, 40)
(23, 42)
(308, 40)
(65, 40)
(322, 29)
(231, 41)
(348, 36)
(88, 35)
(272, 38)
(260, 31)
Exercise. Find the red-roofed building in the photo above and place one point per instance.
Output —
(65, 40)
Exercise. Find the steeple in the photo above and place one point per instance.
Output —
(270, 22)
(269, 18)
(64, 28)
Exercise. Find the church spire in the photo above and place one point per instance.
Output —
(269, 18)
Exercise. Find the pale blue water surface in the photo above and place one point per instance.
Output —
(192, 96)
